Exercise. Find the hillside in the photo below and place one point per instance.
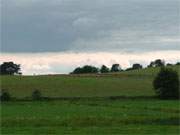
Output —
(137, 116)
(129, 83)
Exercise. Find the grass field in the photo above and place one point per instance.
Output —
(131, 83)
(95, 113)
(75, 86)
(97, 116)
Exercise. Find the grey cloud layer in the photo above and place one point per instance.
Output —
(84, 25)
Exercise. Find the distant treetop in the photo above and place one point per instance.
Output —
(157, 63)
(9, 68)
(85, 69)
(115, 68)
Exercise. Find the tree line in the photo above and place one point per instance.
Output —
(117, 68)
(11, 68)
(166, 83)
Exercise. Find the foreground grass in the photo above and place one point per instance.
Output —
(93, 116)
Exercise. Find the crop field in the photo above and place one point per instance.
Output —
(121, 103)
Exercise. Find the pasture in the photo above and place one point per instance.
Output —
(131, 83)
(118, 103)
(95, 116)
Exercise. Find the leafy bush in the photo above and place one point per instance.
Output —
(5, 96)
(166, 84)
(36, 95)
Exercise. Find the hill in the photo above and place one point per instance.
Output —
(127, 83)
(87, 116)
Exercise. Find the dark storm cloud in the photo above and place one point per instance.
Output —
(84, 25)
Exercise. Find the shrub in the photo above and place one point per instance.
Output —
(5, 96)
(166, 84)
(36, 95)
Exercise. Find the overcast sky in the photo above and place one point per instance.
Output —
(89, 26)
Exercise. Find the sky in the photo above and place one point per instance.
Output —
(56, 36)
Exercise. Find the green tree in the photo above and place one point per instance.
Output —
(115, 68)
(104, 69)
(137, 66)
(85, 70)
(166, 84)
(157, 63)
(178, 63)
(9, 68)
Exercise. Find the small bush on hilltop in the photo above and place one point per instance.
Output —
(166, 84)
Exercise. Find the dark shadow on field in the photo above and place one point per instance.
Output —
(169, 121)
(88, 98)
(117, 122)
(132, 97)
(89, 121)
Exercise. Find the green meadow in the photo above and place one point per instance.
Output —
(120, 103)
(95, 116)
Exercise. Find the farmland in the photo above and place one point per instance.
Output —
(78, 86)
(97, 116)
(95, 111)
(131, 83)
